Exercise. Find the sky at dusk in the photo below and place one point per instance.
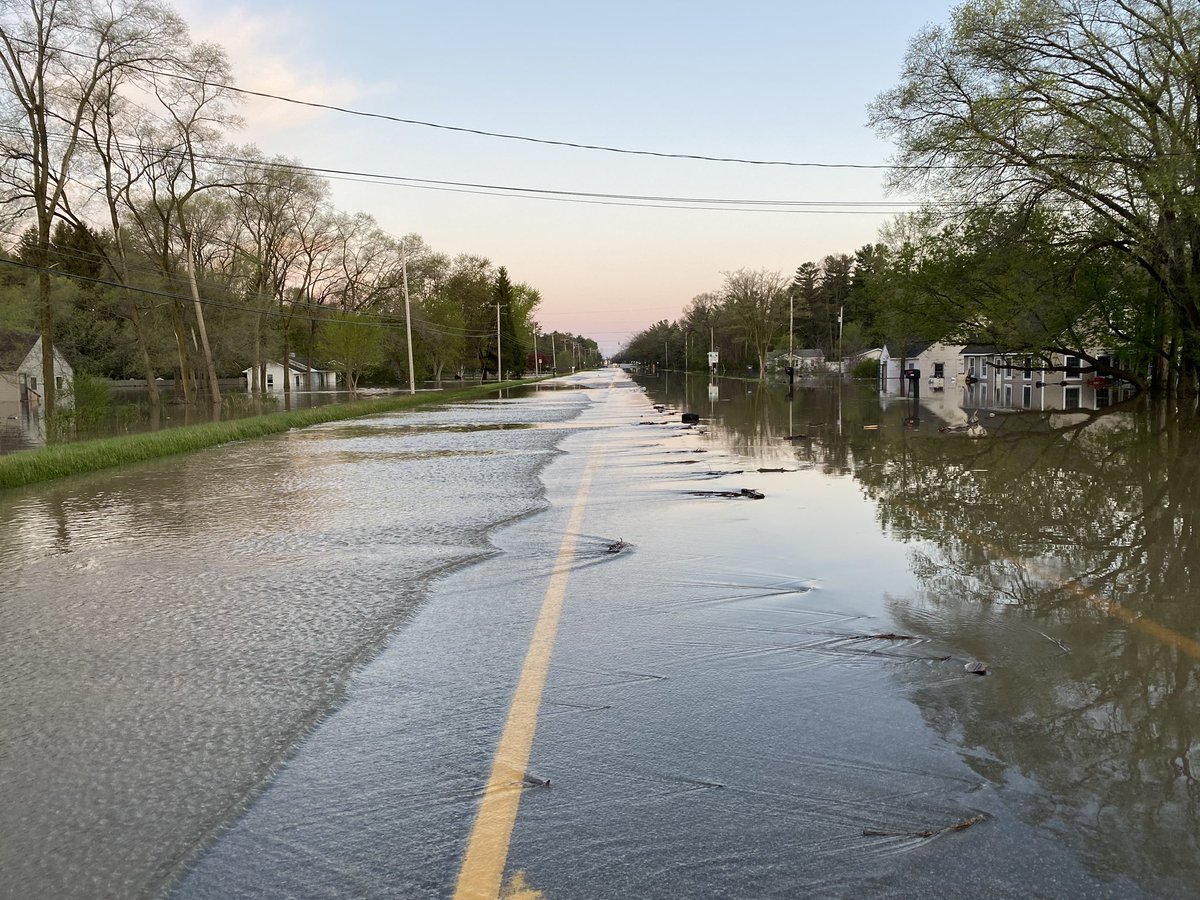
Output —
(757, 80)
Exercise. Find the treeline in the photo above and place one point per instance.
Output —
(143, 243)
(747, 318)
(1055, 144)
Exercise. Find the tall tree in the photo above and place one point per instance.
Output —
(54, 56)
(1091, 107)
(757, 302)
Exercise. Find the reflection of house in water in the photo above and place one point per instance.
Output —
(304, 375)
(976, 376)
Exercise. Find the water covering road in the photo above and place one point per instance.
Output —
(751, 698)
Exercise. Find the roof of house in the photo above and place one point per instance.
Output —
(303, 364)
(980, 350)
(912, 348)
(295, 364)
(14, 347)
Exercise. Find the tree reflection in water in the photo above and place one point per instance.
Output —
(1063, 550)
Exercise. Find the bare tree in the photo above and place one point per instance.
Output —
(55, 55)
(756, 299)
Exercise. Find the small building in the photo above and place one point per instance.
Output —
(936, 366)
(803, 361)
(23, 385)
(301, 373)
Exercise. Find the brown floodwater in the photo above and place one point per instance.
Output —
(1061, 548)
(281, 668)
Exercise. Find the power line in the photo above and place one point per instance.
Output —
(600, 198)
(461, 129)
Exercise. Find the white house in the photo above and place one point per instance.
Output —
(303, 377)
(999, 380)
(23, 385)
(803, 361)
(936, 365)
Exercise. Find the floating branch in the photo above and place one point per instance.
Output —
(958, 826)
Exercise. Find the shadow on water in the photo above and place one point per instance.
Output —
(1060, 548)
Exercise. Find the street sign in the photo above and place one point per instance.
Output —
(713, 357)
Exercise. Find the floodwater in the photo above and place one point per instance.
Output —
(268, 670)
(126, 410)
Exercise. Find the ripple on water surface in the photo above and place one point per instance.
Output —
(169, 630)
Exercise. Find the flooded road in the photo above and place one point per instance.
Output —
(746, 697)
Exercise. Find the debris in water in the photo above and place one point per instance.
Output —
(617, 547)
(733, 495)
(535, 781)
(690, 417)
(886, 636)
(934, 832)
(976, 668)
(779, 470)
(1062, 646)
(797, 437)
(753, 494)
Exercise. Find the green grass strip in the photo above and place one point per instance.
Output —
(60, 460)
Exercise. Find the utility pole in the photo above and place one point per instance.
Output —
(791, 324)
(412, 379)
(554, 351)
(499, 362)
(536, 367)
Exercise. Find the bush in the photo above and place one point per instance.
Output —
(865, 368)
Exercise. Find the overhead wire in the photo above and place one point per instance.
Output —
(461, 129)
(599, 198)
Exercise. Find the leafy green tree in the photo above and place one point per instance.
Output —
(803, 291)
(353, 343)
(1090, 108)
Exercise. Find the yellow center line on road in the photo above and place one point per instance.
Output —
(487, 851)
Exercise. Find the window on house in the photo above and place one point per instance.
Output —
(32, 383)
(1008, 395)
(1028, 372)
(939, 370)
(1072, 367)
(970, 365)
(1027, 396)
(1071, 398)
(270, 380)
(58, 381)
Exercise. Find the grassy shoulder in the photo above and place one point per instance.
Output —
(60, 460)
